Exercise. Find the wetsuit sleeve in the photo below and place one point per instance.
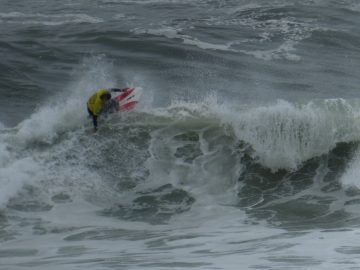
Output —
(117, 90)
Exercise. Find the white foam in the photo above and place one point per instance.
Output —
(293, 32)
(351, 177)
(50, 120)
(14, 175)
(175, 33)
(284, 51)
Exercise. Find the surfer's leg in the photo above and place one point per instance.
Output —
(94, 118)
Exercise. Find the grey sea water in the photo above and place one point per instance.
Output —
(242, 153)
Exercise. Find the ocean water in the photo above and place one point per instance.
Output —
(243, 152)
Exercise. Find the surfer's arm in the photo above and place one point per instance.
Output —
(117, 90)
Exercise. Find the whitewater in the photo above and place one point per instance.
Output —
(241, 154)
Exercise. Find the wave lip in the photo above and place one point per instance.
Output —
(285, 135)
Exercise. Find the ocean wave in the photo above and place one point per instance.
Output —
(166, 160)
(283, 134)
(202, 146)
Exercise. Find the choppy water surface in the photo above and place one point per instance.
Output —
(242, 153)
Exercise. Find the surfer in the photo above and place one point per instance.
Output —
(101, 102)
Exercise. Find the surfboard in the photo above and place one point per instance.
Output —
(128, 99)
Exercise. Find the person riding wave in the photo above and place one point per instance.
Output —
(101, 102)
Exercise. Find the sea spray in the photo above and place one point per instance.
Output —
(67, 110)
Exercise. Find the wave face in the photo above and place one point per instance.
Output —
(244, 146)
